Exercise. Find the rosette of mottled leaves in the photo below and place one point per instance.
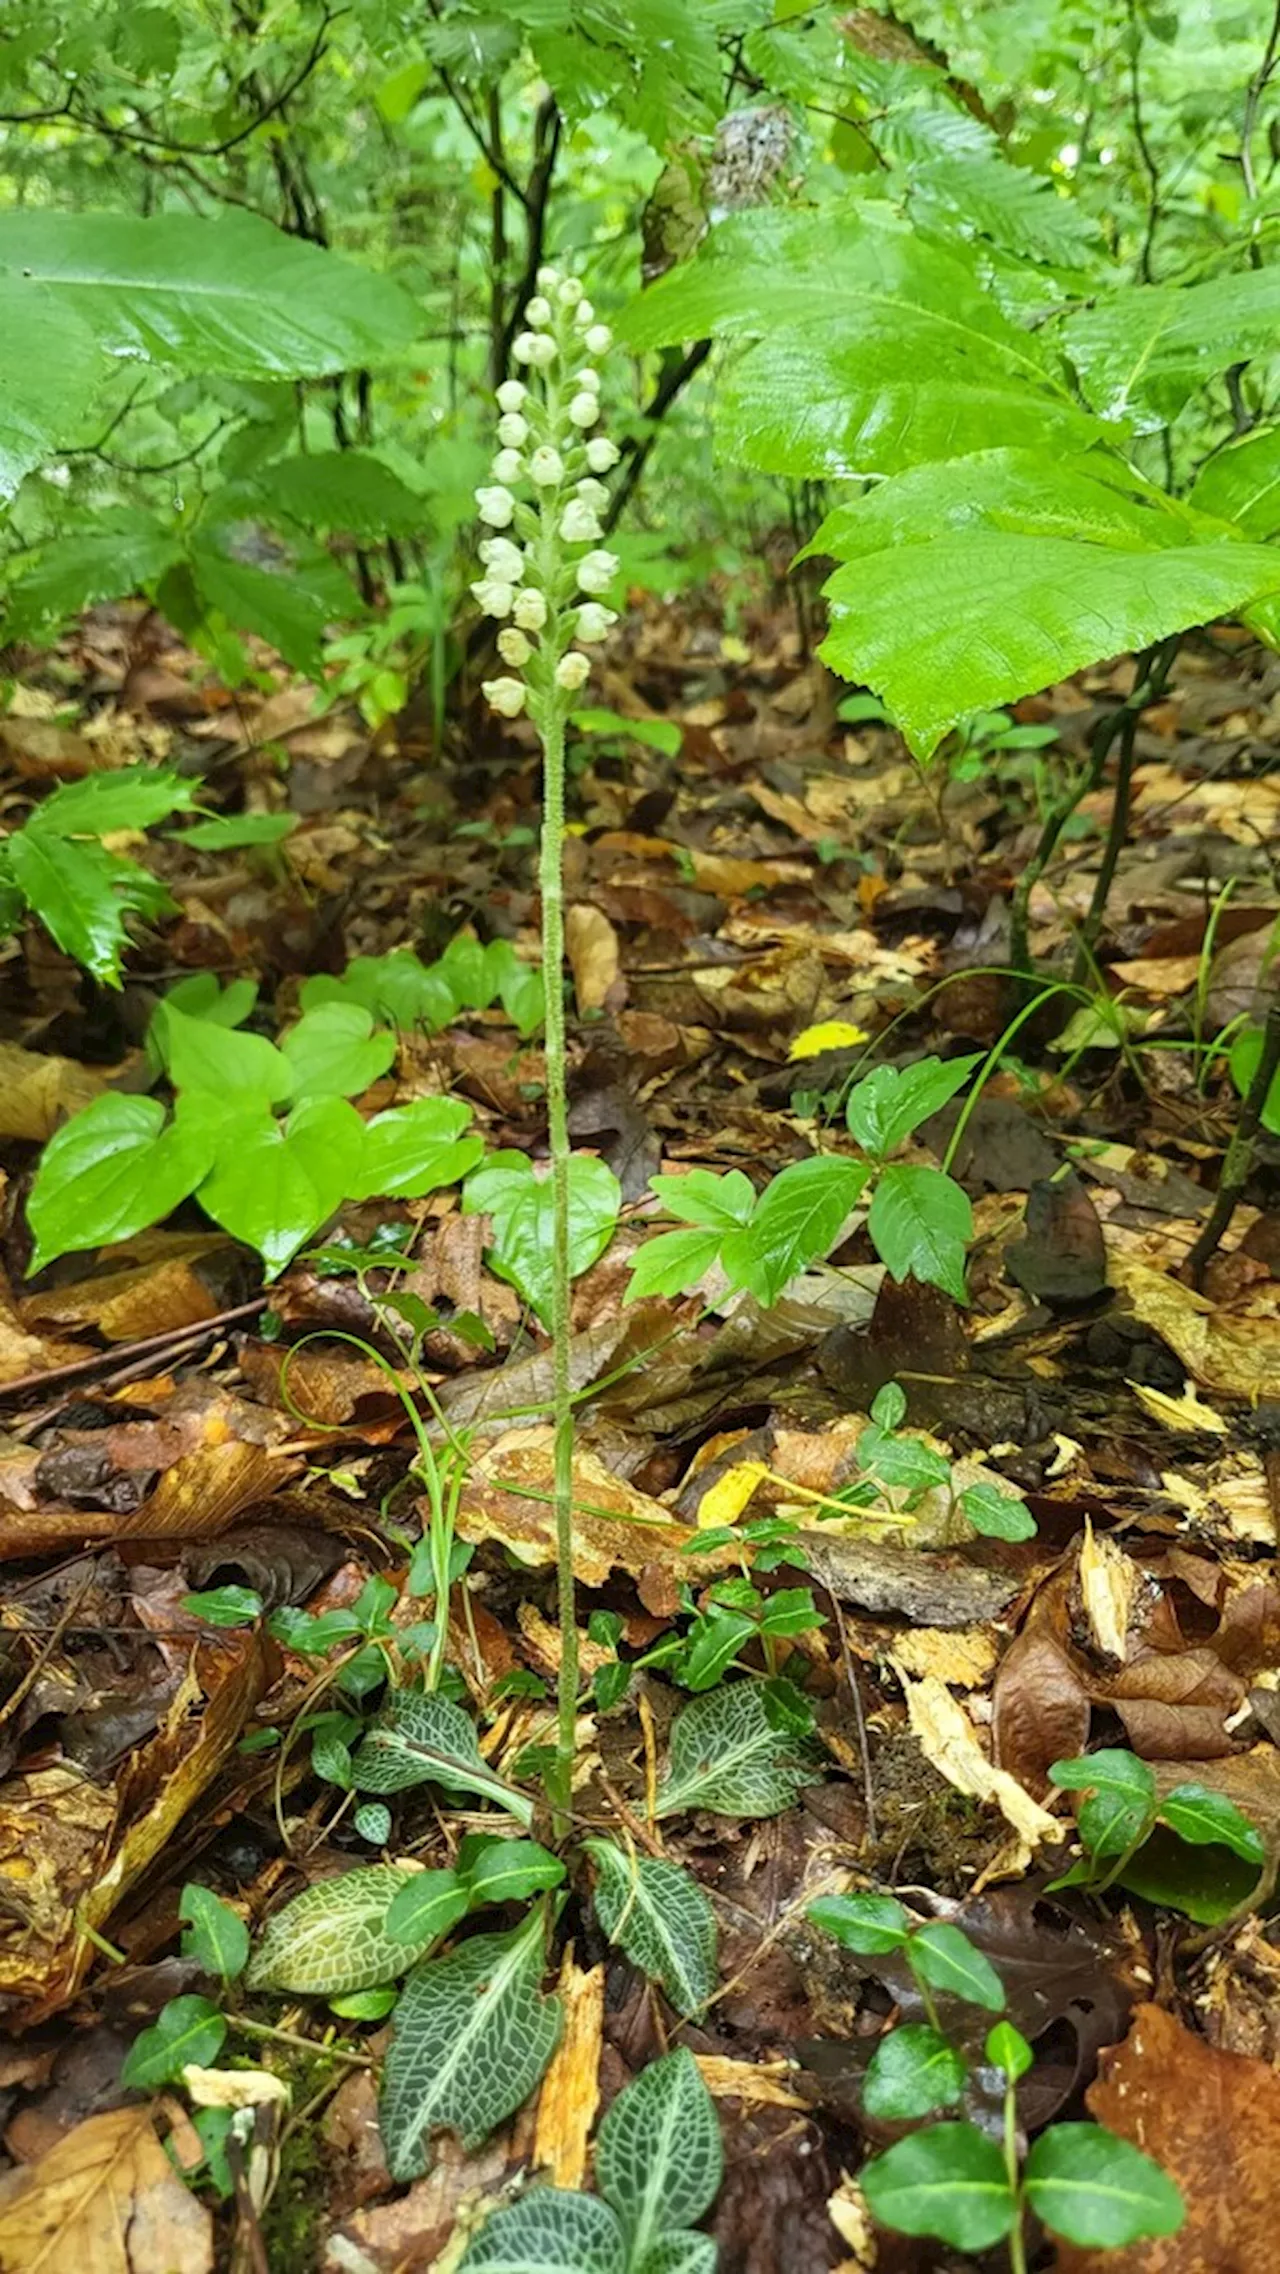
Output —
(545, 569)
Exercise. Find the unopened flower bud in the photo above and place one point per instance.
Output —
(495, 506)
(538, 312)
(505, 696)
(569, 291)
(593, 622)
(599, 339)
(596, 571)
(573, 671)
(513, 647)
(592, 493)
(508, 466)
(588, 378)
(513, 431)
(493, 596)
(548, 279)
(579, 524)
(602, 454)
(585, 314)
(523, 345)
(546, 467)
(502, 559)
(511, 395)
(530, 610)
(584, 410)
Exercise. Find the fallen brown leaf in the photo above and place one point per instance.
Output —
(592, 946)
(37, 1093)
(105, 2200)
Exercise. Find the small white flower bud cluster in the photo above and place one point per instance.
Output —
(545, 599)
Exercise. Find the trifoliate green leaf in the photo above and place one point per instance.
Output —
(521, 1208)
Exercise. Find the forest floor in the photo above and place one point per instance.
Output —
(783, 872)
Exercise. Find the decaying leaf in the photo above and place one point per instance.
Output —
(1109, 1586)
(39, 1092)
(949, 1741)
(1233, 1354)
(508, 1497)
(1040, 1708)
(570, 2092)
(107, 2199)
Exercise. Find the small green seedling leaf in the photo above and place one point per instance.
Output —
(373, 1822)
(506, 1871)
(1098, 2190)
(889, 1406)
(225, 1606)
(1007, 2049)
(706, 1200)
(660, 1917)
(944, 1957)
(187, 2030)
(671, 1263)
(216, 1937)
(889, 1104)
(947, 2181)
(273, 1185)
(658, 2154)
(335, 1053)
(913, 2072)
(726, 1754)
(366, 2005)
(997, 1513)
(472, 2037)
(1208, 1819)
(1122, 1798)
(871, 1925)
(797, 1220)
(415, 1149)
(921, 1223)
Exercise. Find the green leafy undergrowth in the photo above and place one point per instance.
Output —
(57, 867)
(261, 1133)
(658, 2164)
(1192, 1850)
(918, 1217)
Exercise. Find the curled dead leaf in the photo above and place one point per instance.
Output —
(105, 2197)
(949, 1742)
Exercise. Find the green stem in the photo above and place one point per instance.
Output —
(1239, 1161)
(1017, 2239)
(551, 884)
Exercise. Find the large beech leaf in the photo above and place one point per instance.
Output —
(660, 1917)
(548, 2231)
(112, 1170)
(420, 1738)
(333, 1939)
(1145, 347)
(1242, 484)
(472, 2036)
(273, 1185)
(521, 1208)
(727, 1755)
(1029, 491)
(233, 295)
(659, 2158)
(1007, 615)
(50, 370)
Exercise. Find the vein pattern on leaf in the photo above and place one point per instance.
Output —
(659, 2158)
(661, 1918)
(727, 1755)
(418, 1738)
(549, 2231)
(332, 1938)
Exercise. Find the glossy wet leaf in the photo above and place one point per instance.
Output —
(472, 2036)
(921, 1223)
(1206, 1818)
(948, 2181)
(944, 1957)
(334, 1051)
(913, 2071)
(656, 1912)
(1097, 2189)
(507, 1871)
(117, 1166)
(274, 1184)
(425, 1906)
(796, 1221)
(889, 1104)
(414, 1149)
(871, 1925)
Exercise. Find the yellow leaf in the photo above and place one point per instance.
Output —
(829, 1034)
(1185, 1412)
(724, 1501)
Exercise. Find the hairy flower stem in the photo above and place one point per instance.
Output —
(551, 885)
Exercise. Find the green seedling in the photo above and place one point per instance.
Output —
(1193, 1849)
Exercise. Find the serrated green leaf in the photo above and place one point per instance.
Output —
(659, 2159)
(1145, 348)
(944, 1957)
(187, 2030)
(1009, 615)
(521, 1207)
(234, 294)
(726, 1755)
(1030, 492)
(547, 2231)
(420, 1738)
(333, 1938)
(111, 1171)
(273, 1185)
(414, 1149)
(948, 2181)
(797, 1220)
(921, 1222)
(75, 888)
(657, 1913)
(871, 1925)
(891, 1102)
(1097, 2189)
(334, 1052)
(913, 2072)
(672, 1262)
(217, 1937)
(349, 491)
(472, 2036)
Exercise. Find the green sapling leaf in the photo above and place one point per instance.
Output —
(871, 1925)
(1007, 2049)
(1098, 2190)
(216, 1937)
(913, 2071)
(948, 2181)
(921, 1223)
(944, 1957)
(1208, 1819)
(187, 2030)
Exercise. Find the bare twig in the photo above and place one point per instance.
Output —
(1240, 1152)
(1153, 683)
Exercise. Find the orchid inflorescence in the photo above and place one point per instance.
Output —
(546, 594)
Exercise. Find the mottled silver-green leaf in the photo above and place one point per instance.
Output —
(472, 2036)
(333, 1937)
(726, 1755)
(661, 1918)
(681, 2253)
(548, 2231)
(658, 2154)
(419, 1739)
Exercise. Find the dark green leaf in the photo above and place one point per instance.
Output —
(1098, 2190)
(948, 2181)
(658, 2152)
(188, 2031)
(920, 1223)
(657, 1913)
(797, 1220)
(944, 1957)
(868, 1924)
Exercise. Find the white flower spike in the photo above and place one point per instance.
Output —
(546, 441)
